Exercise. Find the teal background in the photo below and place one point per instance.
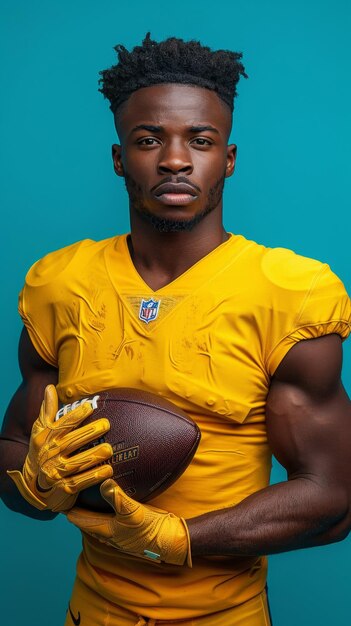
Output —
(291, 188)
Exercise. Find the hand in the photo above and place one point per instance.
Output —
(136, 529)
(51, 478)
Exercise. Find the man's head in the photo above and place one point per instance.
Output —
(173, 102)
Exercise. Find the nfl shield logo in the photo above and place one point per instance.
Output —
(149, 310)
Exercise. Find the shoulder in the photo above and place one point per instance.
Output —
(286, 269)
(305, 299)
(291, 274)
(309, 285)
(283, 270)
(280, 267)
(65, 260)
(46, 303)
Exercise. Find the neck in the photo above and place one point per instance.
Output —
(161, 257)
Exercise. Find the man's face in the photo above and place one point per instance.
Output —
(174, 154)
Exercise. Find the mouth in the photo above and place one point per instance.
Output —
(176, 199)
(175, 194)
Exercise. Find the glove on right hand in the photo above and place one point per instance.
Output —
(51, 478)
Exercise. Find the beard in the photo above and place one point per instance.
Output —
(163, 224)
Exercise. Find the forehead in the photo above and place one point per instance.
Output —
(174, 105)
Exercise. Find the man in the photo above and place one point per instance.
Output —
(244, 338)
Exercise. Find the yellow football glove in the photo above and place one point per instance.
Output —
(51, 478)
(135, 528)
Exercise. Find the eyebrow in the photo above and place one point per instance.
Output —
(150, 128)
(201, 129)
(158, 129)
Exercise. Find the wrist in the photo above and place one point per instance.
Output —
(175, 547)
(25, 490)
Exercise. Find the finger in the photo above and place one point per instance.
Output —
(73, 418)
(50, 403)
(79, 437)
(85, 460)
(129, 511)
(63, 469)
(48, 409)
(78, 482)
(107, 490)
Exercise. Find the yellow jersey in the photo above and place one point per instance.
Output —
(210, 342)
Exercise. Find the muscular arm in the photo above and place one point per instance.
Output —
(19, 418)
(309, 431)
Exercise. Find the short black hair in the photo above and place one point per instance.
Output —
(171, 61)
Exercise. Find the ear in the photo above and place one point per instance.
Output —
(117, 159)
(231, 158)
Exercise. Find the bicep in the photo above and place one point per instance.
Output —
(309, 414)
(25, 404)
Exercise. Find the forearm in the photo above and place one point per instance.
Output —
(295, 514)
(12, 456)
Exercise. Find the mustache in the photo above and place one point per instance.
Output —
(175, 179)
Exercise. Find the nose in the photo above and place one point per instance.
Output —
(174, 159)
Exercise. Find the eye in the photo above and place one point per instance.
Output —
(201, 141)
(148, 141)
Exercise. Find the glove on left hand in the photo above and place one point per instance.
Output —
(135, 528)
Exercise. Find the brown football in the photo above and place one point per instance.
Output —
(152, 439)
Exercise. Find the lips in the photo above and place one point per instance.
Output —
(175, 188)
(175, 194)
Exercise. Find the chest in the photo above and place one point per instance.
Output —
(201, 350)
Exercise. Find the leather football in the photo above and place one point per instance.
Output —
(153, 443)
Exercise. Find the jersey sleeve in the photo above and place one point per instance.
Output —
(324, 308)
(45, 285)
